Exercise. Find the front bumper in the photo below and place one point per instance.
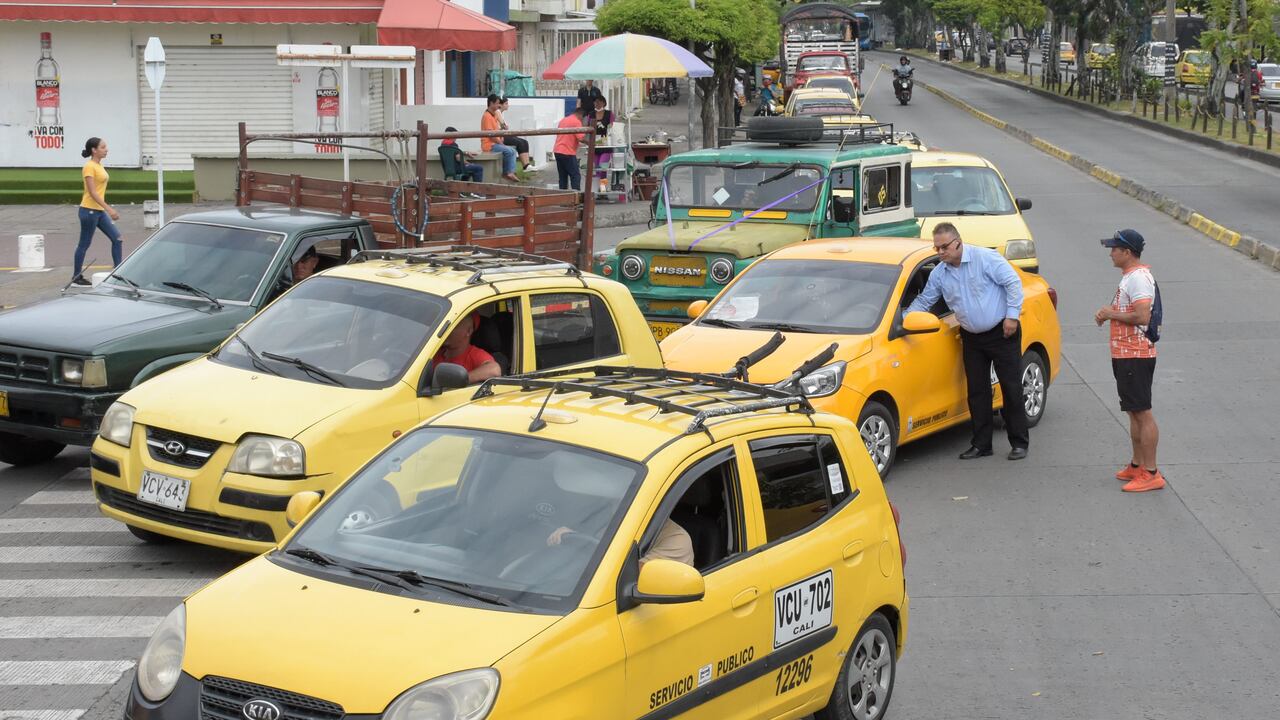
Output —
(50, 412)
(187, 701)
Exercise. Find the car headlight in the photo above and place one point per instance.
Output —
(117, 424)
(1020, 249)
(466, 695)
(85, 373)
(268, 456)
(161, 662)
(722, 270)
(632, 267)
(72, 371)
(823, 381)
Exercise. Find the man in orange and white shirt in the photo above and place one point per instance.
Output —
(1133, 357)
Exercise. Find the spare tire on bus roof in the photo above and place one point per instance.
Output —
(785, 130)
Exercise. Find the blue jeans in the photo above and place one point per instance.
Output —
(475, 170)
(508, 157)
(91, 220)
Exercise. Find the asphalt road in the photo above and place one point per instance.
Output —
(1039, 590)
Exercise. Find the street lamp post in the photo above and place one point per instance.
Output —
(153, 60)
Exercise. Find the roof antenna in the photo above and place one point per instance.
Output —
(538, 423)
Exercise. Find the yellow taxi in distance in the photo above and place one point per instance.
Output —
(1066, 54)
(841, 82)
(1194, 68)
(624, 544)
(835, 107)
(1098, 54)
(333, 371)
(900, 376)
(969, 192)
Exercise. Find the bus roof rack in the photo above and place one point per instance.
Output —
(701, 396)
(477, 260)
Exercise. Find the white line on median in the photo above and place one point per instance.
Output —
(99, 587)
(78, 626)
(60, 525)
(61, 497)
(62, 672)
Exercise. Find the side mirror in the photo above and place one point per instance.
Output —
(446, 376)
(695, 308)
(842, 209)
(667, 582)
(300, 506)
(920, 323)
(1023, 204)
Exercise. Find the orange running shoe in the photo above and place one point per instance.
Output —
(1128, 473)
(1147, 481)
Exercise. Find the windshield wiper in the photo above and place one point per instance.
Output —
(784, 327)
(254, 357)
(413, 577)
(718, 322)
(137, 289)
(305, 366)
(193, 290)
(789, 169)
(964, 212)
(310, 555)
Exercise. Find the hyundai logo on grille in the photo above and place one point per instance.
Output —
(175, 448)
(261, 710)
(664, 270)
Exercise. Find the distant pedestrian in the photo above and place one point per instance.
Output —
(985, 293)
(1133, 357)
(602, 117)
(95, 213)
(587, 95)
(566, 152)
(739, 100)
(490, 122)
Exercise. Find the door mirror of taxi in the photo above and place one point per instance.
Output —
(300, 506)
(445, 376)
(918, 323)
(1023, 204)
(695, 308)
(668, 582)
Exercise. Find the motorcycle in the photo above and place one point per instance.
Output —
(902, 84)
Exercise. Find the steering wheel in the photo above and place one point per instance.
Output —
(379, 503)
(972, 203)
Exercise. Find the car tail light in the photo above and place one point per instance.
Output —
(1053, 298)
(897, 524)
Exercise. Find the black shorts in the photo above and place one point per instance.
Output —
(1133, 380)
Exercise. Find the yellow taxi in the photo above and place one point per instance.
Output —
(842, 82)
(1098, 54)
(969, 192)
(836, 108)
(728, 553)
(1066, 54)
(829, 318)
(333, 371)
(1194, 68)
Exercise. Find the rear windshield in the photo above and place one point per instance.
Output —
(825, 107)
(837, 83)
(824, 62)
(1269, 70)
(1198, 58)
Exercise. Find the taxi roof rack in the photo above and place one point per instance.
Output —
(802, 133)
(475, 259)
(702, 396)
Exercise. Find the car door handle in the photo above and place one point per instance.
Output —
(746, 597)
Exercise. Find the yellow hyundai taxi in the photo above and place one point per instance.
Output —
(631, 544)
(1098, 54)
(969, 192)
(332, 371)
(898, 375)
(1195, 67)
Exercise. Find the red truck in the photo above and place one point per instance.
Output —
(817, 28)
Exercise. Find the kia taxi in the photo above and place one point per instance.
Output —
(898, 375)
(1195, 67)
(726, 554)
(326, 376)
(969, 192)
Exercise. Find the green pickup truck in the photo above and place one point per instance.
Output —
(722, 208)
(64, 361)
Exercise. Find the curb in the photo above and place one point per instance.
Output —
(1241, 150)
(1266, 253)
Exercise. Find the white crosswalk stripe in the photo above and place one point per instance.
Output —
(61, 497)
(40, 555)
(89, 626)
(62, 672)
(62, 525)
(98, 588)
(41, 714)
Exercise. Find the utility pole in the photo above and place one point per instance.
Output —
(695, 110)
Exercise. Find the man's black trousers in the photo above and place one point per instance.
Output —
(981, 351)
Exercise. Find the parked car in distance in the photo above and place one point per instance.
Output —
(1194, 68)
(1066, 54)
(1098, 54)
(1016, 46)
(1269, 87)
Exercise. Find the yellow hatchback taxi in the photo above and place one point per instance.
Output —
(333, 371)
(629, 544)
(835, 107)
(1195, 67)
(1096, 59)
(839, 309)
(969, 192)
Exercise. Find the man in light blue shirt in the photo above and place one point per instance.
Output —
(985, 293)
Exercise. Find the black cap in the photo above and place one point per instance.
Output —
(1127, 239)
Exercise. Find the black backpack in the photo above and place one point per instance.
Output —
(1157, 317)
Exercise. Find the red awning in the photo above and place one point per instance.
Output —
(306, 12)
(441, 25)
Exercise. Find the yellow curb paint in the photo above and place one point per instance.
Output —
(1232, 239)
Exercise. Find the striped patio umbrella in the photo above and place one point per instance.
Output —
(626, 56)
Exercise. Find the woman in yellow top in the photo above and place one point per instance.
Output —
(95, 213)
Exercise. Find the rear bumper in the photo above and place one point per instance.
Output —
(44, 413)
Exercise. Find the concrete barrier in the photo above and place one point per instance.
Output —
(31, 254)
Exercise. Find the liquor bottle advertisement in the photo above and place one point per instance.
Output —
(48, 132)
(328, 106)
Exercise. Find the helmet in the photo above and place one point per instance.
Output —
(902, 60)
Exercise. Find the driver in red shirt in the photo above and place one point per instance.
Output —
(458, 350)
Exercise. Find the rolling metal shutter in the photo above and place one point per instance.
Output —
(207, 91)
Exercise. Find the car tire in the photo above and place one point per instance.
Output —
(21, 451)
(151, 538)
(865, 683)
(879, 433)
(784, 130)
(1035, 387)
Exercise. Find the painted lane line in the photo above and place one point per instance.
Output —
(60, 525)
(41, 714)
(62, 497)
(62, 672)
(80, 626)
(100, 587)
(94, 554)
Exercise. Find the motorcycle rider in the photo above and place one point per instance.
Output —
(766, 98)
(902, 76)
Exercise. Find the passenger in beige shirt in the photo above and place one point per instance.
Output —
(673, 543)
